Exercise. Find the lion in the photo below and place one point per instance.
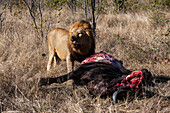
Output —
(73, 45)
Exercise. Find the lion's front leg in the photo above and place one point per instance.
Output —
(70, 64)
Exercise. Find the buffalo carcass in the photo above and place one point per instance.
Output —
(103, 79)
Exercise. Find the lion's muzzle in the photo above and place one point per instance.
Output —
(76, 46)
(73, 38)
(74, 42)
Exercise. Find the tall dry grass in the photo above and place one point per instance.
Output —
(134, 38)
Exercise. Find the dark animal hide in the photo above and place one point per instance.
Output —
(99, 78)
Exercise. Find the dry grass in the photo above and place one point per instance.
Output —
(133, 38)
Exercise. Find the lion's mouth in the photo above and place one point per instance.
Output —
(76, 46)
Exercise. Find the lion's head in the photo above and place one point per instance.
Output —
(81, 40)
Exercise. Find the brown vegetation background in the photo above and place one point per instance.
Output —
(139, 38)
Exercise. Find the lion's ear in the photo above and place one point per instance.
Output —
(88, 33)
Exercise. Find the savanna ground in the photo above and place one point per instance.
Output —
(140, 39)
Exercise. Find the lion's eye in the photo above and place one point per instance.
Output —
(79, 35)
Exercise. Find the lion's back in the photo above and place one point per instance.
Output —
(57, 40)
